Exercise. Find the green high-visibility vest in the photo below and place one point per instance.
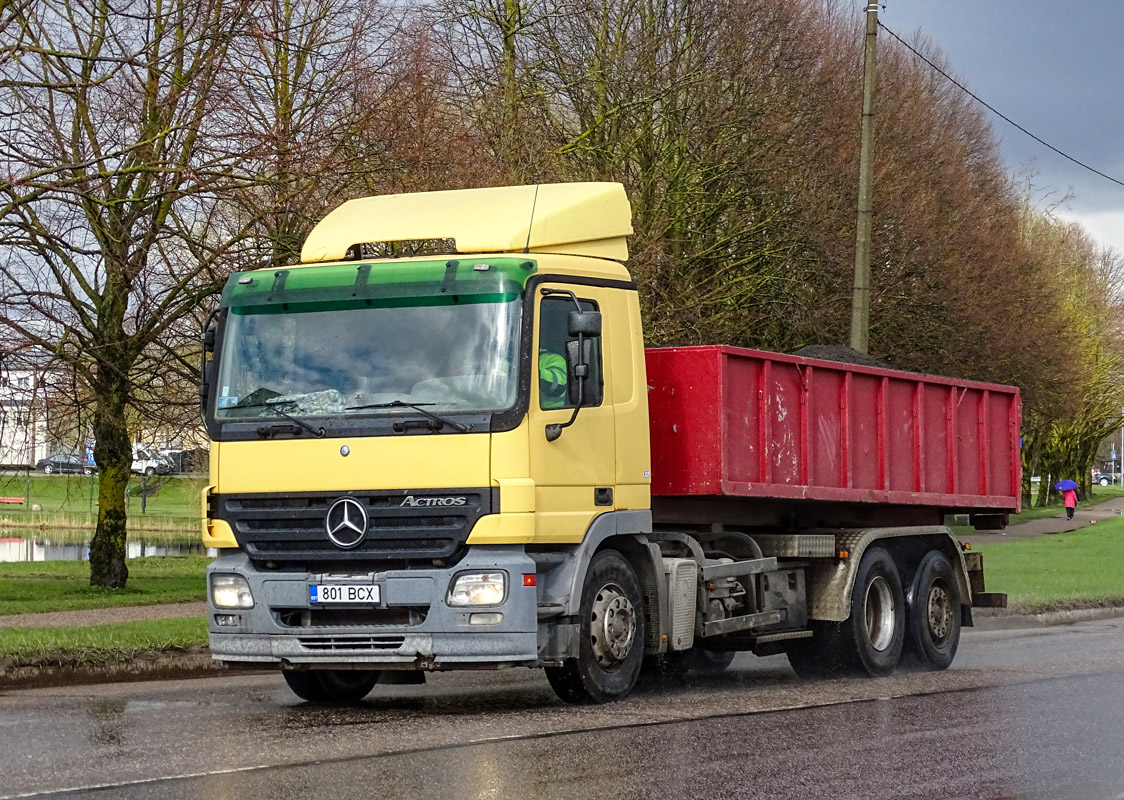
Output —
(552, 380)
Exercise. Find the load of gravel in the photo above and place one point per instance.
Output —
(832, 352)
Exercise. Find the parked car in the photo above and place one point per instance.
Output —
(1103, 478)
(64, 463)
(147, 461)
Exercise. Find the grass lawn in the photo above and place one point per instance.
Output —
(99, 643)
(1068, 570)
(30, 587)
(69, 500)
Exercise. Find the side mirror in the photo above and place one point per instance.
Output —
(583, 391)
(584, 323)
(583, 326)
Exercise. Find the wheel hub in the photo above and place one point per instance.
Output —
(879, 614)
(612, 626)
(939, 613)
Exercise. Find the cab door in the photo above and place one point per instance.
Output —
(574, 474)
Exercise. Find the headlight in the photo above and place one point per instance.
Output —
(478, 589)
(231, 591)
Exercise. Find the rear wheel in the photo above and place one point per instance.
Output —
(611, 635)
(871, 639)
(332, 685)
(933, 605)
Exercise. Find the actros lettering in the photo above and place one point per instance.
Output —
(429, 502)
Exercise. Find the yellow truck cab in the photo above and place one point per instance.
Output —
(380, 465)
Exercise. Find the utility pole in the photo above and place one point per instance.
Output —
(860, 301)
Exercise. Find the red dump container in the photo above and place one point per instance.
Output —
(727, 421)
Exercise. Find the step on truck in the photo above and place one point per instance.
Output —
(439, 443)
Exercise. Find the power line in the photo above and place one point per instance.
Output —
(996, 112)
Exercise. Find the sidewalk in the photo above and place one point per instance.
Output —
(104, 616)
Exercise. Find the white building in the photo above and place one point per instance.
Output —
(23, 423)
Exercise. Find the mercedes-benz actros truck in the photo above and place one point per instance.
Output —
(439, 443)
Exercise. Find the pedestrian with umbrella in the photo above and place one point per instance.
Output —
(1068, 489)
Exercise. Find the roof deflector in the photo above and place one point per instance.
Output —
(590, 219)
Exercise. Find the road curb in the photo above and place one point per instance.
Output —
(1002, 621)
(146, 666)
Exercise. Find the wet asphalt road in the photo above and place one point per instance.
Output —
(1022, 714)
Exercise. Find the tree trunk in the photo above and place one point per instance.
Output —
(114, 456)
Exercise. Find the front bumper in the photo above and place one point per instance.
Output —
(278, 631)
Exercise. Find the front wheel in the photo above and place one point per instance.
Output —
(48, 469)
(1104, 481)
(150, 471)
(610, 638)
(933, 607)
(332, 685)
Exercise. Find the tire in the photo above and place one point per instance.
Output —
(871, 639)
(933, 613)
(48, 469)
(610, 638)
(332, 685)
(1104, 481)
(87, 471)
(150, 471)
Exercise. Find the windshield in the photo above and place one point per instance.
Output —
(446, 346)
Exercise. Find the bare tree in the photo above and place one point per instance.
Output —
(308, 75)
(667, 97)
(110, 169)
(495, 75)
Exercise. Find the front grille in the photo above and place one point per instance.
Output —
(401, 526)
(270, 525)
(329, 643)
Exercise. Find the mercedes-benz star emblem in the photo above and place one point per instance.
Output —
(346, 523)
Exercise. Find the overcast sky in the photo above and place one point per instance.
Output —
(1056, 67)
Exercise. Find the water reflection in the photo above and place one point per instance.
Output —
(75, 545)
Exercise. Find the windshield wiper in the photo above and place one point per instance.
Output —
(265, 431)
(442, 421)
